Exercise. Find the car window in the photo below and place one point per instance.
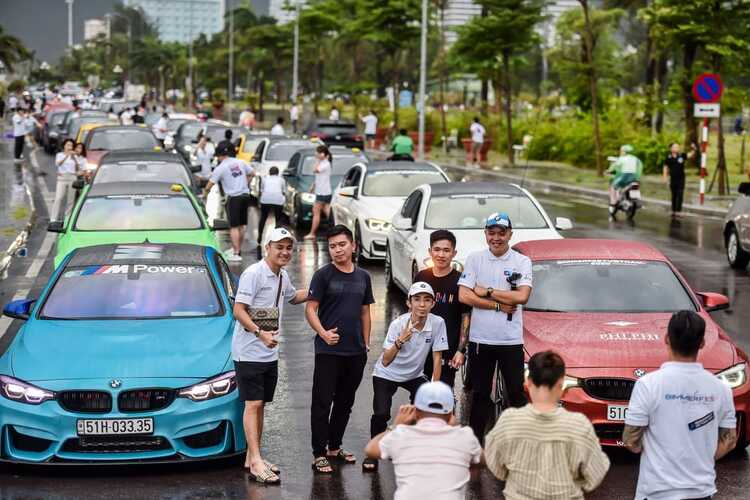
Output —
(174, 123)
(122, 138)
(190, 130)
(142, 171)
(341, 164)
(259, 151)
(470, 211)
(137, 212)
(282, 151)
(397, 182)
(132, 291)
(334, 129)
(408, 207)
(251, 143)
(607, 286)
(227, 279)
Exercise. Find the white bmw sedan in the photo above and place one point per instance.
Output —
(461, 207)
(369, 196)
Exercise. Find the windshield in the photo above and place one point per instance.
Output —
(190, 130)
(341, 164)
(217, 134)
(607, 286)
(334, 129)
(137, 212)
(398, 182)
(132, 291)
(251, 144)
(470, 211)
(142, 171)
(174, 123)
(122, 138)
(283, 151)
(58, 118)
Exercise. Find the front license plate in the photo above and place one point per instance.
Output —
(101, 427)
(635, 195)
(617, 413)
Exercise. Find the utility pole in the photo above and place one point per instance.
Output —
(422, 80)
(230, 92)
(70, 23)
(190, 60)
(295, 61)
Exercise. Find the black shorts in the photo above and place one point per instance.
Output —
(370, 137)
(256, 381)
(323, 198)
(237, 207)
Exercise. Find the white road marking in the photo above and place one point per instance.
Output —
(41, 256)
(5, 321)
(47, 195)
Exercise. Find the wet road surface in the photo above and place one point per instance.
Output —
(694, 244)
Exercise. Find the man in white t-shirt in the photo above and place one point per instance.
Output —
(477, 140)
(431, 455)
(233, 175)
(681, 419)
(371, 128)
(161, 128)
(278, 129)
(334, 115)
(494, 283)
(255, 351)
(294, 117)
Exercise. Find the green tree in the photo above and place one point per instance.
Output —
(12, 50)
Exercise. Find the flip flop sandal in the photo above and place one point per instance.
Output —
(321, 463)
(265, 477)
(369, 465)
(343, 456)
(273, 467)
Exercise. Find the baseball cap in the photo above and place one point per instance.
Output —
(222, 150)
(280, 233)
(434, 397)
(421, 287)
(498, 219)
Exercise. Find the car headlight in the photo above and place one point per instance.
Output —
(23, 392)
(734, 376)
(308, 198)
(378, 225)
(216, 387)
(53, 134)
(568, 382)
(188, 148)
(90, 166)
(454, 264)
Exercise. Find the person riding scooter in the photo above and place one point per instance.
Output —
(402, 147)
(625, 170)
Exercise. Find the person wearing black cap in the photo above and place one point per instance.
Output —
(228, 144)
(233, 175)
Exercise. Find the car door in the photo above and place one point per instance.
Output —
(404, 239)
(291, 179)
(342, 205)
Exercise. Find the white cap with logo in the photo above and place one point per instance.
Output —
(421, 287)
(434, 397)
(278, 234)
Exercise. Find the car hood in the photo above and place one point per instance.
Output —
(616, 340)
(380, 207)
(169, 348)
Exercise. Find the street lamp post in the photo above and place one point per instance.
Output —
(295, 62)
(230, 90)
(422, 80)
(70, 23)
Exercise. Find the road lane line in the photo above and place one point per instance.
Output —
(5, 321)
(47, 195)
(41, 256)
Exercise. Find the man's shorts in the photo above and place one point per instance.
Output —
(476, 147)
(321, 198)
(370, 137)
(237, 207)
(256, 381)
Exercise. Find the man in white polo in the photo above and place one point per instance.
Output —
(255, 351)
(494, 283)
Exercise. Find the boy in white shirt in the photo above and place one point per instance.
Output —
(477, 140)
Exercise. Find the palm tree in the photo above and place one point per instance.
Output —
(12, 50)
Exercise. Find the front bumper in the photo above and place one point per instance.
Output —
(184, 430)
(374, 243)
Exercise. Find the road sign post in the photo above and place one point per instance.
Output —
(707, 90)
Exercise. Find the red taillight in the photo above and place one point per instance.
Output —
(319, 135)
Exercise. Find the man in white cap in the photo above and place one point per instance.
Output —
(430, 453)
(411, 338)
(255, 350)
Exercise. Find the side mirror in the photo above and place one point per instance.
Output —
(78, 184)
(256, 157)
(744, 188)
(563, 223)
(714, 301)
(288, 173)
(348, 192)
(19, 309)
(195, 168)
(220, 225)
(56, 226)
(400, 223)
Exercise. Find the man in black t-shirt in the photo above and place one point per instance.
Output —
(444, 281)
(674, 168)
(338, 310)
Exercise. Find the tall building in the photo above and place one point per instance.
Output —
(92, 28)
(183, 20)
(283, 9)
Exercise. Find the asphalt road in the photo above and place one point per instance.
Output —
(694, 244)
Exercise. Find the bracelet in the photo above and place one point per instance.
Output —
(497, 307)
(398, 344)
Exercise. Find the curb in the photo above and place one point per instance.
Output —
(19, 243)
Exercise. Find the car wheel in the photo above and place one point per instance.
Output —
(414, 271)
(358, 257)
(737, 257)
(388, 271)
(294, 217)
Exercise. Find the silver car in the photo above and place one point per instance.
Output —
(737, 229)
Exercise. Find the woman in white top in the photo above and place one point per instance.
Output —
(272, 189)
(322, 189)
(68, 163)
(204, 153)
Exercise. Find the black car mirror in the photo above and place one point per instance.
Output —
(56, 226)
(220, 225)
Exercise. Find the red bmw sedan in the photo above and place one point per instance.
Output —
(604, 305)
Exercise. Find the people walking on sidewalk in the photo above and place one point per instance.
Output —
(322, 189)
(263, 287)
(338, 311)
(542, 450)
(294, 118)
(681, 419)
(477, 140)
(494, 283)
(278, 129)
(272, 189)
(431, 453)
(233, 175)
(411, 338)
(68, 165)
(443, 279)
(674, 169)
(371, 128)
(23, 124)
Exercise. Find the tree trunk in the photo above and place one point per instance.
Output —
(593, 88)
(396, 87)
(508, 92)
(485, 95)
(261, 95)
(691, 133)
(661, 82)
(721, 164)
(651, 89)
(441, 71)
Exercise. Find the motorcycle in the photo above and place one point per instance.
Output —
(628, 201)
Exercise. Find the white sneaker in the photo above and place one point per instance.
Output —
(234, 258)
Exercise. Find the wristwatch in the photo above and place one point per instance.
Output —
(463, 350)
(257, 332)
(489, 292)
(398, 344)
